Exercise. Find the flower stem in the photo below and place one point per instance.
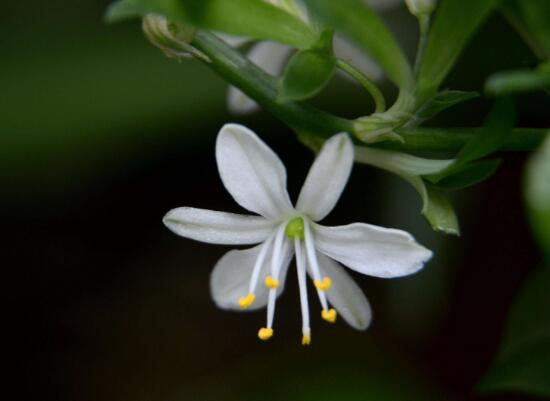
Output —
(263, 88)
(424, 25)
(379, 100)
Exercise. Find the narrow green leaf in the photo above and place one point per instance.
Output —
(443, 101)
(252, 18)
(455, 21)
(490, 138)
(470, 174)
(360, 24)
(535, 14)
(439, 212)
(123, 10)
(518, 81)
(306, 74)
(523, 361)
(537, 194)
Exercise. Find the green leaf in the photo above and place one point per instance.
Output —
(360, 24)
(470, 174)
(442, 101)
(537, 194)
(307, 73)
(490, 138)
(252, 18)
(122, 10)
(455, 21)
(535, 15)
(439, 212)
(523, 361)
(518, 81)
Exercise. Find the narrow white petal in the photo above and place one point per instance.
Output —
(230, 278)
(349, 52)
(270, 57)
(326, 178)
(372, 250)
(345, 295)
(239, 103)
(251, 172)
(218, 227)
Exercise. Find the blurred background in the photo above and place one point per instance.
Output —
(100, 135)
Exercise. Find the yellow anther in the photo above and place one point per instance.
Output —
(306, 340)
(323, 285)
(265, 333)
(245, 302)
(270, 282)
(329, 315)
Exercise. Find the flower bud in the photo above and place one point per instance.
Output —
(172, 38)
(420, 8)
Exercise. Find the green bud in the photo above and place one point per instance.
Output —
(172, 38)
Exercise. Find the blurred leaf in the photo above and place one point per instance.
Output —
(511, 82)
(537, 195)
(357, 21)
(535, 15)
(455, 21)
(523, 361)
(489, 139)
(442, 101)
(122, 10)
(470, 174)
(252, 18)
(439, 212)
(307, 73)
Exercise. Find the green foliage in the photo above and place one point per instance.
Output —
(518, 81)
(307, 72)
(523, 361)
(440, 212)
(251, 18)
(455, 21)
(538, 195)
(360, 24)
(489, 140)
(533, 14)
(470, 174)
(442, 101)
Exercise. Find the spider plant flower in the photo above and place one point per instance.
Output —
(253, 278)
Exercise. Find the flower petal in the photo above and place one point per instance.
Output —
(251, 172)
(218, 227)
(372, 250)
(327, 177)
(230, 278)
(345, 295)
(270, 57)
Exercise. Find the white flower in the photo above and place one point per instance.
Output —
(253, 278)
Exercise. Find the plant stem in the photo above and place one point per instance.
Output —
(424, 25)
(368, 85)
(263, 88)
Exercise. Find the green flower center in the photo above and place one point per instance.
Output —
(295, 228)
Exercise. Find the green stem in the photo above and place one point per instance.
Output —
(263, 88)
(368, 85)
(424, 25)
(240, 72)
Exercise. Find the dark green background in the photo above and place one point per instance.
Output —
(100, 135)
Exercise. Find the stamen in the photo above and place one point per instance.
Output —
(265, 333)
(329, 315)
(279, 248)
(321, 285)
(270, 282)
(245, 302)
(258, 265)
(306, 340)
(302, 284)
